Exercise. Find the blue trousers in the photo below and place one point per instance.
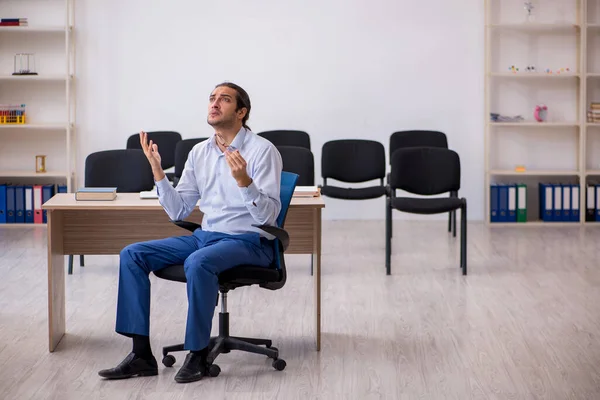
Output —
(203, 255)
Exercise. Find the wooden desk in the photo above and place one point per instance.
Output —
(105, 227)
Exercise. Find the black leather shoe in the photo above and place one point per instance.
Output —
(193, 369)
(132, 365)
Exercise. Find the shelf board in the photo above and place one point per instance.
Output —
(21, 225)
(593, 124)
(39, 127)
(33, 77)
(592, 172)
(26, 174)
(593, 75)
(533, 75)
(535, 26)
(534, 224)
(38, 29)
(499, 172)
(536, 124)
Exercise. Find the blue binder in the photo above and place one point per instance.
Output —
(10, 204)
(546, 202)
(575, 199)
(62, 189)
(2, 204)
(503, 202)
(566, 202)
(28, 204)
(47, 193)
(495, 215)
(512, 203)
(19, 204)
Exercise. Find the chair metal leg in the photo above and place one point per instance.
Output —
(463, 239)
(388, 236)
(311, 265)
(258, 342)
(70, 264)
(454, 223)
(81, 263)
(236, 344)
(169, 349)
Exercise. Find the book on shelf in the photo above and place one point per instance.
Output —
(96, 193)
(14, 22)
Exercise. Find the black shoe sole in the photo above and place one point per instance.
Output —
(140, 373)
(188, 380)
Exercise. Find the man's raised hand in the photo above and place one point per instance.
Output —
(151, 151)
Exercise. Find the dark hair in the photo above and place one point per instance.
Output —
(242, 100)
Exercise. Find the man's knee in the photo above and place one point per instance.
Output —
(197, 262)
(131, 253)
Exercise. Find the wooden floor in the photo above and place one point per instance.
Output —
(524, 324)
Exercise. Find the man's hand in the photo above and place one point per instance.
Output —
(151, 152)
(237, 164)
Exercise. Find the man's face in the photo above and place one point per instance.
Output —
(221, 108)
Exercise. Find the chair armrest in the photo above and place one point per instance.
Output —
(190, 226)
(279, 233)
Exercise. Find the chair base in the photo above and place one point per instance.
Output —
(224, 344)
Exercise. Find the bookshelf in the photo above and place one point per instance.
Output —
(561, 41)
(49, 96)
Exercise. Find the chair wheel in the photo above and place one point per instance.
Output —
(279, 364)
(168, 360)
(214, 370)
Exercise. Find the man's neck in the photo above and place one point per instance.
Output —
(228, 134)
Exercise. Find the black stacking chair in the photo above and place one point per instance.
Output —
(300, 161)
(287, 138)
(422, 138)
(127, 170)
(353, 161)
(426, 171)
(182, 149)
(166, 141)
(272, 278)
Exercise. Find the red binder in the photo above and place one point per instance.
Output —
(37, 205)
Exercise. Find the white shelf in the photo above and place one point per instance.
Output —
(39, 127)
(534, 224)
(22, 225)
(37, 29)
(500, 172)
(532, 26)
(534, 75)
(32, 174)
(536, 124)
(54, 77)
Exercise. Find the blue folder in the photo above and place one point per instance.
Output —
(47, 193)
(494, 203)
(19, 204)
(10, 204)
(2, 204)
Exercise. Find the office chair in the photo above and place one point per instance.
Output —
(420, 138)
(287, 138)
(355, 161)
(166, 141)
(127, 170)
(426, 171)
(300, 161)
(182, 149)
(272, 278)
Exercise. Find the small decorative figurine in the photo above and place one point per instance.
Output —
(24, 64)
(513, 69)
(531, 68)
(40, 163)
(540, 113)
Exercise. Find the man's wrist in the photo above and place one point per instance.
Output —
(158, 174)
(244, 182)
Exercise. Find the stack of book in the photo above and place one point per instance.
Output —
(593, 114)
(307, 191)
(96, 193)
(14, 22)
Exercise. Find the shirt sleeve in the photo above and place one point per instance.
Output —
(261, 197)
(180, 201)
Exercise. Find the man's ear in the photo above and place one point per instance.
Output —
(242, 112)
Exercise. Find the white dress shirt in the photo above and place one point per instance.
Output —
(227, 208)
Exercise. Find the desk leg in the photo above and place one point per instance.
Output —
(317, 271)
(56, 279)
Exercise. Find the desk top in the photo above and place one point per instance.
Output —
(132, 201)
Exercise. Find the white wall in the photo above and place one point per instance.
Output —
(337, 69)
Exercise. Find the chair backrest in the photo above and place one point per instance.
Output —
(286, 192)
(127, 170)
(299, 160)
(417, 138)
(353, 160)
(182, 149)
(425, 170)
(287, 138)
(166, 142)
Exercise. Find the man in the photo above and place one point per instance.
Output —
(236, 176)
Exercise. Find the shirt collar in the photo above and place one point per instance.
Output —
(237, 143)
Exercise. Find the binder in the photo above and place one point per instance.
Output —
(566, 202)
(575, 202)
(512, 203)
(2, 204)
(558, 206)
(495, 215)
(47, 193)
(521, 202)
(597, 198)
(28, 204)
(62, 189)
(503, 203)
(546, 202)
(10, 204)
(590, 203)
(19, 204)
(37, 204)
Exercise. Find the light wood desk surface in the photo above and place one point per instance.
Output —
(105, 227)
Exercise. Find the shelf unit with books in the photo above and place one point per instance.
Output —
(535, 58)
(45, 31)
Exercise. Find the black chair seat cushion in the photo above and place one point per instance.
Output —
(371, 192)
(237, 276)
(426, 206)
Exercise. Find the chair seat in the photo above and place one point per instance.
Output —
(371, 192)
(427, 206)
(242, 275)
